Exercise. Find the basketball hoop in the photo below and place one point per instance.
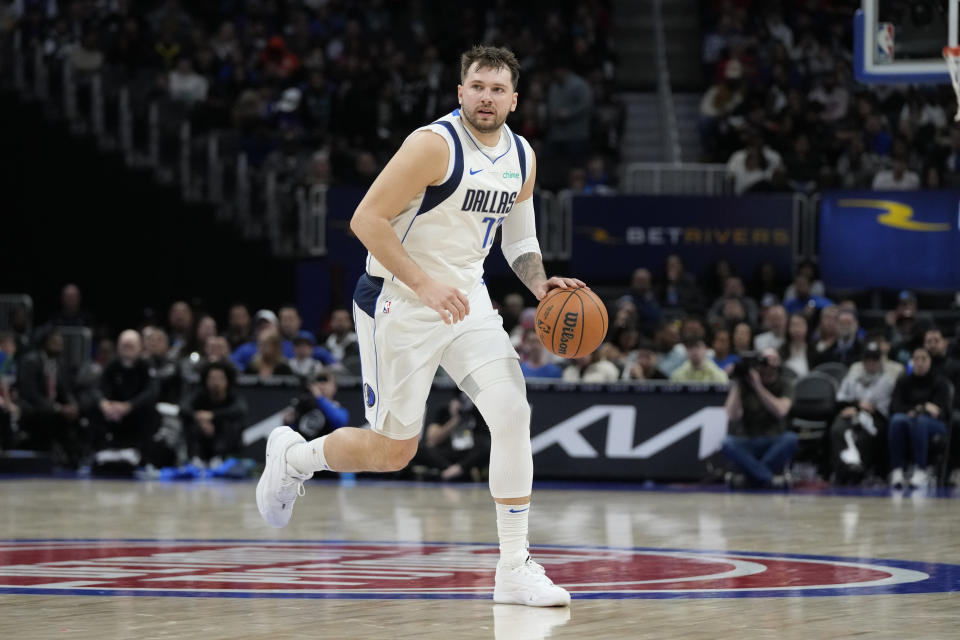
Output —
(952, 56)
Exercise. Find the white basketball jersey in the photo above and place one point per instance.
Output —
(448, 228)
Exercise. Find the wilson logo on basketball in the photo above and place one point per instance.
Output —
(570, 321)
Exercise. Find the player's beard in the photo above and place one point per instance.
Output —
(484, 127)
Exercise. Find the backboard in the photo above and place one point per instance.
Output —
(901, 41)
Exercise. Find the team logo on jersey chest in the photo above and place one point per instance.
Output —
(489, 200)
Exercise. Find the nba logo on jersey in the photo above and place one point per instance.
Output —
(386, 306)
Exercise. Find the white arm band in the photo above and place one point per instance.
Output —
(519, 232)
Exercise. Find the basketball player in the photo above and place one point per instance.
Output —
(428, 221)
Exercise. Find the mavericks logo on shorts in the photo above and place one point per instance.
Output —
(368, 396)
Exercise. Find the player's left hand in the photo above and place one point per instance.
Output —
(557, 282)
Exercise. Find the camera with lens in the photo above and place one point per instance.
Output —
(749, 360)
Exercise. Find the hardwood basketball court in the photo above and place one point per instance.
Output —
(640, 563)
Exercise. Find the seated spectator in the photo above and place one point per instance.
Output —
(804, 300)
(775, 321)
(757, 406)
(303, 363)
(720, 101)
(206, 326)
(214, 416)
(896, 178)
(186, 85)
(919, 408)
(669, 347)
(162, 368)
(732, 313)
(845, 348)
(264, 320)
(127, 418)
(723, 356)
(180, 321)
(903, 320)
(644, 365)
(698, 367)
(644, 299)
(795, 351)
(733, 290)
(936, 346)
(318, 413)
(891, 367)
(511, 310)
(238, 326)
(809, 269)
(742, 339)
(526, 322)
(342, 340)
(269, 360)
(71, 313)
(456, 443)
(826, 333)
(856, 166)
(595, 367)
(50, 412)
(291, 326)
(535, 361)
(8, 354)
(858, 430)
(752, 165)
(9, 411)
(678, 290)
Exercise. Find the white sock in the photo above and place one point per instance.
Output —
(512, 528)
(307, 457)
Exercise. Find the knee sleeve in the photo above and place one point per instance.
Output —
(499, 391)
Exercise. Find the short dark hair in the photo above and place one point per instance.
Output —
(490, 57)
(228, 370)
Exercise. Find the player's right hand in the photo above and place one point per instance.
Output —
(448, 301)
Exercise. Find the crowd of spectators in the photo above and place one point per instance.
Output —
(165, 392)
(326, 90)
(764, 339)
(785, 113)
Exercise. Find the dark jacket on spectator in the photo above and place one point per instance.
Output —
(843, 353)
(34, 386)
(134, 384)
(228, 421)
(913, 390)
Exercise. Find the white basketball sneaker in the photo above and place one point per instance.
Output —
(520, 580)
(280, 484)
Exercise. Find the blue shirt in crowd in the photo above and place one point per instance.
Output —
(548, 370)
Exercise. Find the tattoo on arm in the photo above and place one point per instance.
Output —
(529, 268)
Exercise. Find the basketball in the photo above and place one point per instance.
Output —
(571, 322)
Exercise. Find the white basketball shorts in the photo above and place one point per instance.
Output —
(402, 342)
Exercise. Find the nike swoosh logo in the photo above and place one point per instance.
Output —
(518, 510)
(472, 172)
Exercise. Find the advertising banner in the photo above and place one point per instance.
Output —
(615, 235)
(615, 432)
(897, 240)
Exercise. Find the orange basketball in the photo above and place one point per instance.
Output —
(571, 322)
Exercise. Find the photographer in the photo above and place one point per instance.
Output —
(757, 405)
(317, 413)
(920, 406)
(456, 441)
